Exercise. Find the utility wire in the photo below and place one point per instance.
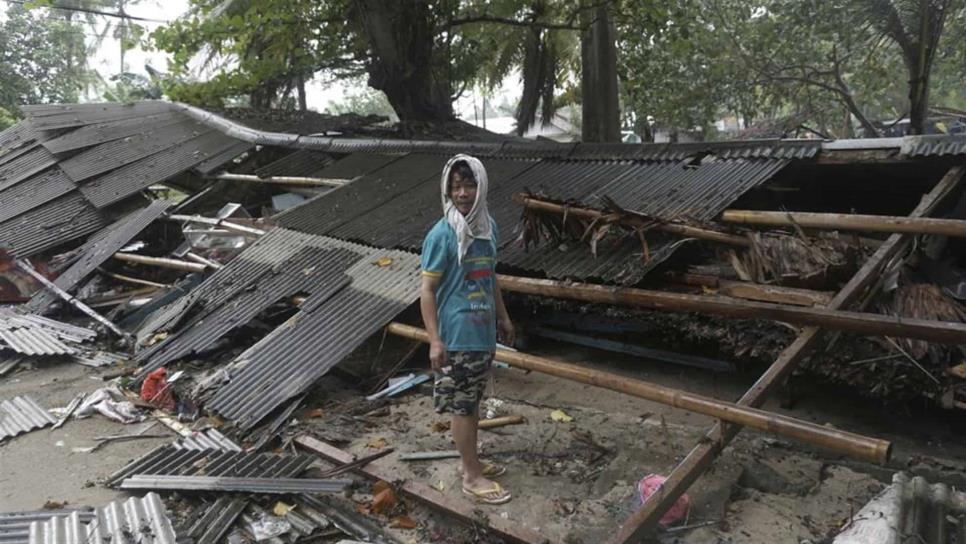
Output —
(94, 12)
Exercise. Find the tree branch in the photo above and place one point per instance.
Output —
(506, 21)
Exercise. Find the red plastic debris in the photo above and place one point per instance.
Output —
(679, 510)
(155, 390)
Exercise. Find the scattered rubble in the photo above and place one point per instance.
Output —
(281, 261)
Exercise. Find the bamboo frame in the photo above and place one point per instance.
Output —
(855, 445)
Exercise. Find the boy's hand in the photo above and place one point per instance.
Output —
(505, 331)
(437, 355)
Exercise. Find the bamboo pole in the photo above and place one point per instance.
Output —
(495, 422)
(201, 260)
(283, 180)
(946, 332)
(632, 221)
(862, 447)
(161, 262)
(241, 229)
(136, 281)
(852, 222)
(755, 291)
(721, 434)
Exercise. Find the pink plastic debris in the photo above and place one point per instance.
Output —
(651, 484)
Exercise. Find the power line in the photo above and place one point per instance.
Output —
(95, 12)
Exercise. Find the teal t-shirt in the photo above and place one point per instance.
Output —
(465, 304)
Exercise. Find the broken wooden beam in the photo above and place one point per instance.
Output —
(755, 291)
(850, 222)
(160, 262)
(227, 225)
(298, 181)
(646, 518)
(945, 332)
(503, 421)
(630, 220)
(69, 299)
(462, 509)
(862, 447)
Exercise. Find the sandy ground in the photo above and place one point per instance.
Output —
(42, 465)
(762, 489)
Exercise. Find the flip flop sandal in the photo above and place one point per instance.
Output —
(492, 470)
(490, 495)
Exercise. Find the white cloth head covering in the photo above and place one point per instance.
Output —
(477, 223)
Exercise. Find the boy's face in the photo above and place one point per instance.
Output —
(462, 192)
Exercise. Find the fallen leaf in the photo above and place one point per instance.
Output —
(708, 290)
(385, 261)
(403, 522)
(377, 443)
(384, 498)
(560, 416)
(317, 412)
(440, 426)
(282, 509)
(440, 486)
(362, 508)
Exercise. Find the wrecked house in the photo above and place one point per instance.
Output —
(236, 264)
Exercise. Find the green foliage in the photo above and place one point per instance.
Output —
(822, 63)
(42, 60)
(363, 101)
(252, 45)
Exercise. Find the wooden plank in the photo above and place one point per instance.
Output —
(852, 222)
(464, 510)
(864, 323)
(703, 454)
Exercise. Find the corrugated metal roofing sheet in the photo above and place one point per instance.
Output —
(364, 211)
(61, 220)
(34, 192)
(210, 439)
(404, 220)
(135, 521)
(15, 137)
(99, 133)
(327, 328)
(173, 461)
(115, 154)
(133, 177)
(222, 158)
(20, 415)
(64, 331)
(279, 486)
(744, 149)
(359, 198)
(27, 164)
(55, 116)
(317, 272)
(95, 252)
(933, 145)
(303, 162)
(672, 190)
(29, 337)
(15, 527)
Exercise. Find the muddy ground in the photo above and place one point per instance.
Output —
(572, 481)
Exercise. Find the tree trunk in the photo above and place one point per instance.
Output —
(403, 60)
(300, 86)
(598, 52)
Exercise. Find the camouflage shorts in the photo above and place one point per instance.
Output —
(459, 387)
